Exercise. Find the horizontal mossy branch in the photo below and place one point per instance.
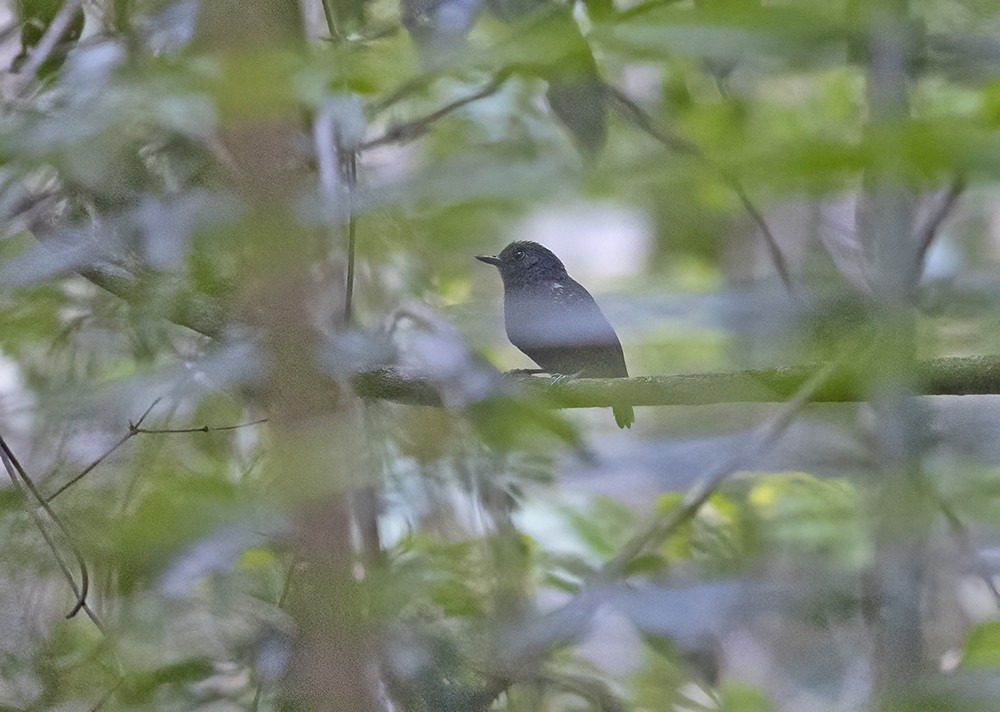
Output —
(960, 375)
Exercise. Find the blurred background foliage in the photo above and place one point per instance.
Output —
(185, 186)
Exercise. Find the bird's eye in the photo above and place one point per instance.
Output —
(519, 255)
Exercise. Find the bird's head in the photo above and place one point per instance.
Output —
(525, 262)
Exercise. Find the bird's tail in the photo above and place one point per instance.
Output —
(624, 415)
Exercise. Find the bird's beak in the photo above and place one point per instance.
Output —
(489, 259)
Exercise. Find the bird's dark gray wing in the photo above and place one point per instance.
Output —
(562, 329)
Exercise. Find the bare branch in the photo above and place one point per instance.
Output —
(194, 310)
(961, 533)
(640, 118)
(411, 86)
(133, 430)
(137, 429)
(108, 695)
(411, 130)
(765, 230)
(331, 23)
(201, 429)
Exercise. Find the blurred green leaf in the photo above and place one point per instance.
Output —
(506, 423)
(741, 697)
(142, 687)
(807, 515)
(603, 525)
(175, 511)
(982, 646)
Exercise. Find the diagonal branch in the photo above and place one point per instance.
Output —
(574, 615)
(961, 533)
(930, 230)
(640, 118)
(192, 309)
(133, 430)
(660, 528)
(47, 44)
(137, 429)
(402, 133)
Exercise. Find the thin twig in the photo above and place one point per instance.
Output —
(133, 430)
(201, 429)
(351, 176)
(47, 44)
(15, 471)
(544, 14)
(769, 239)
(961, 532)
(641, 119)
(411, 130)
(137, 429)
(589, 687)
(933, 226)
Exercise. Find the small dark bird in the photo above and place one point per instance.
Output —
(554, 320)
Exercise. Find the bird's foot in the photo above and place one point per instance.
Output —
(557, 378)
(521, 372)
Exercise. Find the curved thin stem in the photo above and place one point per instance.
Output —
(15, 471)
(418, 127)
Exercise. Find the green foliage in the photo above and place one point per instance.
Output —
(176, 215)
(807, 516)
(982, 646)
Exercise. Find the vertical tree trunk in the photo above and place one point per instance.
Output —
(314, 422)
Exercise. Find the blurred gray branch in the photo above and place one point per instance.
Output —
(197, 312)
